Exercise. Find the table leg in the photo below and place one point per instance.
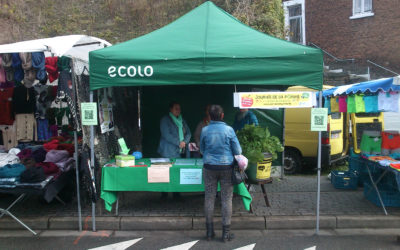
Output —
(59, 199)
(378, 180)
(12, 204)
(3, 211)
(248, 187)
(377, 191)
(265, 195)
(117, 205)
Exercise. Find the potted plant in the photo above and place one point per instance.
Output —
(261, 149)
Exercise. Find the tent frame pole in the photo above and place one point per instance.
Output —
(319, 169)
(76, 151)
(93, 168)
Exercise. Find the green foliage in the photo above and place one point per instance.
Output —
(256, 140)
(122, 20)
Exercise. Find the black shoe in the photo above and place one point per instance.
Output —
(210, 231)
(226, 235)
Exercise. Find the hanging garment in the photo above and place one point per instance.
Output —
(371, 103)
(327, 104)
(351, 104)
(26, 127)
(9, 136)
(390, 143)
(359, 101)
(2, 72)
(51, 68)
(7, 65)
(26, 60)
(29, 77)
(334, 104)
(38, 63)
(64, 63)
(388, 102)
(17, 65)
(342, 104)
(64, 93)
(43, 131)
(43, 100)
(23, 100)
(6, 115)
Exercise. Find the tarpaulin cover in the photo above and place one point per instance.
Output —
(384, 84)
(206, 46)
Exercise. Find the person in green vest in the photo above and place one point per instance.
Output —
(175, 136)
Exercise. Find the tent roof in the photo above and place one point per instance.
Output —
(206, 46)
(384, 84)
(76, 46)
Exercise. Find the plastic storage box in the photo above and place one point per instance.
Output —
(390, 194)
(125, 160)
(344, 179)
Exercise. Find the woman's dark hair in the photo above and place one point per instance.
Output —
(172, 104)
(215, 112)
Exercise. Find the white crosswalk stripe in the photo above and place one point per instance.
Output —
(185, 246)
(311, 248)
(118, 246)
(248, 247)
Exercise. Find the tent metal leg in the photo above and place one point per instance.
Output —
(78, 194)
(377, 191)
(319, 170)
(117, 205)
(12, 204)
(93, 168)
(3, 211)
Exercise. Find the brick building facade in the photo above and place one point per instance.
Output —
(359, 29)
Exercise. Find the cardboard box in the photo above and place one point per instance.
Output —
(125, 160)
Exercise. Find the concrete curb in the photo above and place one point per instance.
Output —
(126, 223)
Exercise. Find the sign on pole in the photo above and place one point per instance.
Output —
(319, 119)
(89, 113)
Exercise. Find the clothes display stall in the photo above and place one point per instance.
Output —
(377, 166)
(206, 48)
(37, 91)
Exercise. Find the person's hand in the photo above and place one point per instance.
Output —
(182, 144)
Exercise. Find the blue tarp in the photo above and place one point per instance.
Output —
(384, 84)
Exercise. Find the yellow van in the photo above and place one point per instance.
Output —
(301, 144)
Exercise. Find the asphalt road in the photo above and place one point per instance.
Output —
(193, 240)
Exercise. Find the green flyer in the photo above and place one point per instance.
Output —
(319, 119)
(89, 113)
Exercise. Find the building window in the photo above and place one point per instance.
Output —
(295, 21)
(362, 8)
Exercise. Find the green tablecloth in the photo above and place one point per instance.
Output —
(114, 179)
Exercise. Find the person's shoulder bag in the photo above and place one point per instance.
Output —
(238, 176)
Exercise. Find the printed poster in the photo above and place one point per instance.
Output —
(191, 176)
(268, 100)
(106, 114)
(89, 113)
(319, 119)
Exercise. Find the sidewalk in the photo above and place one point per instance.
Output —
(293, 206)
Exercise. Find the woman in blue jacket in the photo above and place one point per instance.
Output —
(175, 136)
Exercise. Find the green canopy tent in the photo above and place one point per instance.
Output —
(206, 46)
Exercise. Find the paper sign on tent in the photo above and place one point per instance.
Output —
(158, 174)
(124, 148)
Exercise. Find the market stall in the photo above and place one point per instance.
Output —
(377, 164)
(202, 57)
(38, 89)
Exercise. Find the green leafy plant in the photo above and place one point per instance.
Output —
(256, 140)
